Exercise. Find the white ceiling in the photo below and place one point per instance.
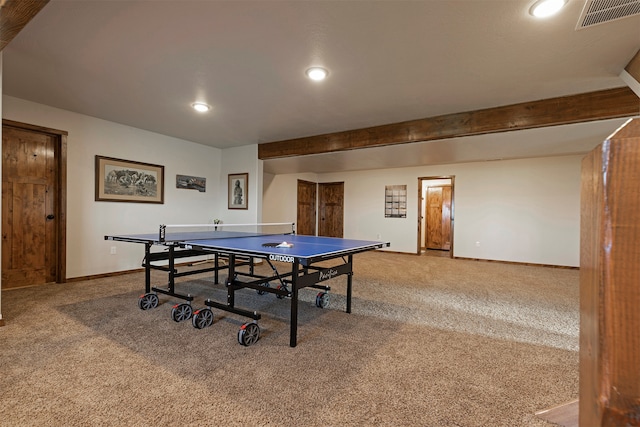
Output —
(142, 63)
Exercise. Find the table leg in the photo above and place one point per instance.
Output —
(231, 289)
(349, 284)
(216, 257)
(293, 334)
(172, 270)
(147, 268)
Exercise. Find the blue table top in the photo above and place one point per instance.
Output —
(303, 247)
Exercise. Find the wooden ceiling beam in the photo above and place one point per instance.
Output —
(14, 15)
(586, 107)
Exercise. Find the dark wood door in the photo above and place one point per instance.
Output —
(306, 217)
(331, 209)
(438, 218)
(29, 208)
(446, 218)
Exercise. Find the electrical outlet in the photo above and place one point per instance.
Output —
(113, 250)
(477, 244)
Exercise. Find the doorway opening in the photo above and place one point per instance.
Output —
(436, 216)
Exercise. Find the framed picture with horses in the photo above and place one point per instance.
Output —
(120, 180)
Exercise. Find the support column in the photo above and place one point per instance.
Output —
(610, 282)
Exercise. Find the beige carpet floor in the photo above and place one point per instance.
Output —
(430, 342)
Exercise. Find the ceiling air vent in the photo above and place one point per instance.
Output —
(601, 11)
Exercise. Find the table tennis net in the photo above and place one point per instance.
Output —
(182, 232)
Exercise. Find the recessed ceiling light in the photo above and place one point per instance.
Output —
(201, 107)
(317, 73)
(545, 8)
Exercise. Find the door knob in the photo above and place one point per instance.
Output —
(50, 216)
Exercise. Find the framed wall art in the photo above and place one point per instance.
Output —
(120, 180)
(238, 190)
(395, 201)
(188, 182)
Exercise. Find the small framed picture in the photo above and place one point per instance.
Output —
(120, 180)
(238, 190)
(191, 183)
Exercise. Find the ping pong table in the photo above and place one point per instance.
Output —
(293, 260)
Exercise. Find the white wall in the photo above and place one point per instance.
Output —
(519, 210)
(89, 221)
(241, 160)
(281, 194)
(524, 210)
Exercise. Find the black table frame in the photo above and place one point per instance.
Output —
(303, 274)
(291, 282)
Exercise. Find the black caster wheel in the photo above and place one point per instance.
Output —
(180, 312)
(261, 292)
(322, 300)
(148, 301)
(202, 318)
(283, 287)
(248, 334)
